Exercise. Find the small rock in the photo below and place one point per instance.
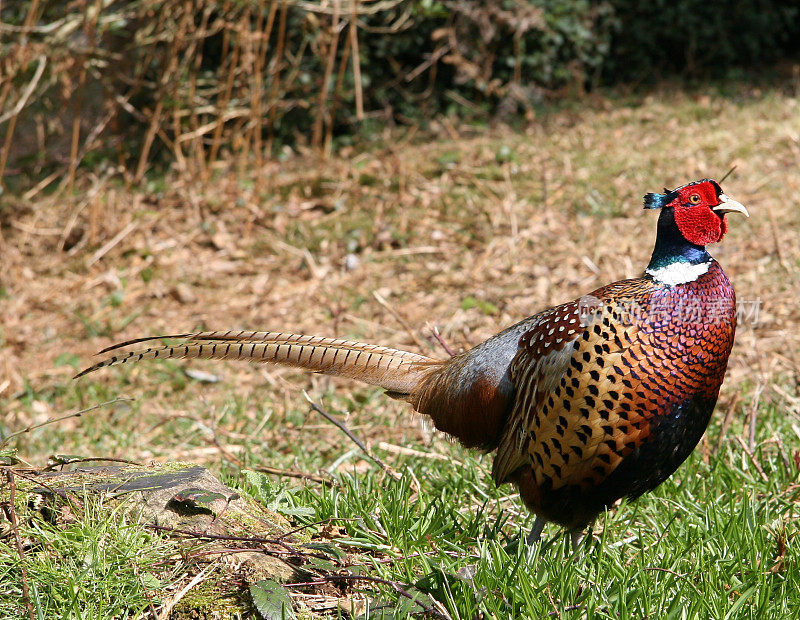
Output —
(352, 262)
(183, 293)
(202, 376)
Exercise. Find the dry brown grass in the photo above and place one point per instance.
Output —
(430, 222)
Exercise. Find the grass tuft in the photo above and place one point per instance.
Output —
(470, 232)
(99, 565)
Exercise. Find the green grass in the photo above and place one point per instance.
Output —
(472, 235)
(714, 541)
(101, 565)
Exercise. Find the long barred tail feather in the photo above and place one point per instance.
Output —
(128, 343)
(397, 371)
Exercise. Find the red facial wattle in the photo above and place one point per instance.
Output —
(694, 216)
(700, 225)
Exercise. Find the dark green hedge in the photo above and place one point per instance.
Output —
(699, 37)
(151, 80)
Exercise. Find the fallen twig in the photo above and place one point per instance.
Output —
(753, 460)
(567, 608)
(390, 447)
(751, 434)
(327, 521)
(295, 474)
(341, 426)
(442, 341)
(778, 242)
(167, 609)
(782, 451)
(398, 587)
(13, 518)
(204, 535)
(60, 462)
(287, 548)
(114, 241)
(726, 423)
(382, 301)
(76, 414)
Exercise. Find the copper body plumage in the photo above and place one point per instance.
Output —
(631, 390)
(596, 399)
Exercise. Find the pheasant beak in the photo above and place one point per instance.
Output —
(726, 205)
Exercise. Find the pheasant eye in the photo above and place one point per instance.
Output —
(694, 199)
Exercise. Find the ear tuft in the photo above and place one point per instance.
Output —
(659, 201)
(655, 201)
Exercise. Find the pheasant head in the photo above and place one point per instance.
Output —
(692, 216)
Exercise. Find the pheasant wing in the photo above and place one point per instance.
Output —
(571, 423)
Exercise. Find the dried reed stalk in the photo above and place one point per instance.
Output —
(224, 101)
(202, 76)
(356, 59)
(316, 140)
(30, 18)
(276, 75)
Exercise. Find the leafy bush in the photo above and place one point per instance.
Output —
(136, 79)
(662, 37)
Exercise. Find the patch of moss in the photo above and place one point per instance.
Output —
(212, 599)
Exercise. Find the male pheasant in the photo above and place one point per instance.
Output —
(598, 398)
